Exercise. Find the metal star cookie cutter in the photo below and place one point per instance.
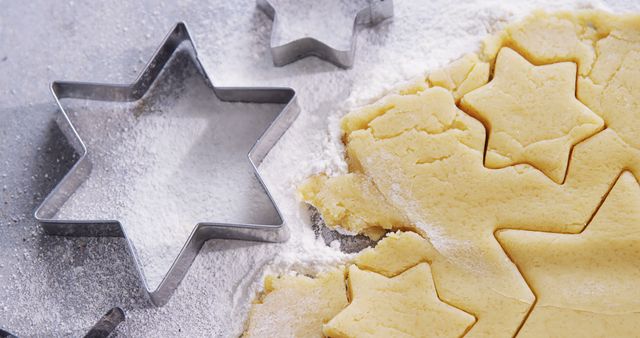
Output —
(376, 12)
(202, 232)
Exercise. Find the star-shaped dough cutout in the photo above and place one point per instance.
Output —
(403, 306)
(532, 114)
(586, 284)
(425, 158)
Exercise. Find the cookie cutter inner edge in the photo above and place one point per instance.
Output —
(202, 231)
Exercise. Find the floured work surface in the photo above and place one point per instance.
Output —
(537, 135)
(174, 159)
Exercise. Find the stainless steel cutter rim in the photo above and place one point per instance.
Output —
(202, 231)
(376, 12)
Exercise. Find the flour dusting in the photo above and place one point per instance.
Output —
(169, 156)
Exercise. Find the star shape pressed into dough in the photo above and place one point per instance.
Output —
(403, 306)
(532, 114)
(586, 284)
(424, 157)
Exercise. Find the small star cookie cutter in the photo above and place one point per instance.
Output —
(376, 12)
(203, 231)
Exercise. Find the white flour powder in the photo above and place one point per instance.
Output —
(177, 161)
(159, 151)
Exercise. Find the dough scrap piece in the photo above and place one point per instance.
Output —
(532, 114)
(429, 111)
(462, 75)
(612, 89)
(548, 38)
(297, 306)
(361, 209)
(586, 284)
(403, 306)
(395, 253)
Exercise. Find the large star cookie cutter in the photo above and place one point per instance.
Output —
(201, 232)
(283, 54)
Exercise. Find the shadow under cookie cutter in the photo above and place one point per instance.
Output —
(376, 12)
(202, 232)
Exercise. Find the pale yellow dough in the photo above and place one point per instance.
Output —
(355, 191)
(396, 253)
(425, 157)
(297, 306)
(532, 114)
(586, 284)
(403, 306)
(462, 75)
(417, 160)
(611, 89)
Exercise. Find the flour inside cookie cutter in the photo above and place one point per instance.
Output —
(283, 54)
(179, 37)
